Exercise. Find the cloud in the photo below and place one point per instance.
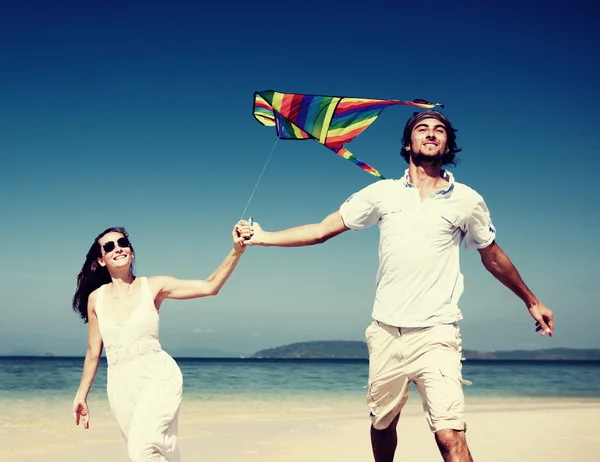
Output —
(201, 331)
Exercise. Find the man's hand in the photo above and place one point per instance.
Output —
(256, 235)
(544, 319)
(499, 265)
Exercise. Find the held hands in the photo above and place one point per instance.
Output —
(544, 318)
(241, 233)
(81, 413)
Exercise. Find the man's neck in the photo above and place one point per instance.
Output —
(427, 176)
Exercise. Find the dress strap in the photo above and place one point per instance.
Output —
(147, 293)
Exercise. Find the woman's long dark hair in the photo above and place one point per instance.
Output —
(92, 274)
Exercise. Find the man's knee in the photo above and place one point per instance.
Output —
(384, 426)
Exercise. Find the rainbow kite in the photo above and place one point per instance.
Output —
(330, 120)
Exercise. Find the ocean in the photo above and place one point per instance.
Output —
(48, 379)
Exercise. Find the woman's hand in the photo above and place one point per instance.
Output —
(81, 413)
(241, 232)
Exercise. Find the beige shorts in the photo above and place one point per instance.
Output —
(430, 357)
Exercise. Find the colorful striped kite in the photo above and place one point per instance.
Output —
(331, 120)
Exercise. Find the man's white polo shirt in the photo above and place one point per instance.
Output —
(419, 281)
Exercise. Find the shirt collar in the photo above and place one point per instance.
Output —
(446, 175)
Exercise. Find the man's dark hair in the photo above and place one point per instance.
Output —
(449, 157)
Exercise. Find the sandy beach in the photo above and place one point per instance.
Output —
(300, 431)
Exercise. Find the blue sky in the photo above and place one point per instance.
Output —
(139, 115)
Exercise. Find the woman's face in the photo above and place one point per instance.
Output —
(116, 251)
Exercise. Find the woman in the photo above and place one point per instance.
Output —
(144, 383)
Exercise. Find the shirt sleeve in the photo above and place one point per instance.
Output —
(479, 229)
(359, 210)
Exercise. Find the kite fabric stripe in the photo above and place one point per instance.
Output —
(327, 121)
(288, 130)
(330, 120)
(263, 111)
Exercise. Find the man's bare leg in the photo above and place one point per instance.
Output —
(453, 445)
(384, 442)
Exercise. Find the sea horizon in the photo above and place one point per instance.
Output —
(236, 358)
(57, 378)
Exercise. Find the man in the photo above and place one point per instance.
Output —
(423, 218)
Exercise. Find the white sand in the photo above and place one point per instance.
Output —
(566, 431)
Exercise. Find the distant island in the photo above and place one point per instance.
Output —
(332, 349)
(341, 349)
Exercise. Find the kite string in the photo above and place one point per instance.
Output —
(259, 178)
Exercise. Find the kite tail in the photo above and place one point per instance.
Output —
(343, 152)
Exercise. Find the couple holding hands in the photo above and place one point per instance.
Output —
(423, 218)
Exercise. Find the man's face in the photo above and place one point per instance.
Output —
(429, 140)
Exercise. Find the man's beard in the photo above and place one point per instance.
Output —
(424, 159)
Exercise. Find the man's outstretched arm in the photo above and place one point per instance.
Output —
(497, 262)
(315, 233)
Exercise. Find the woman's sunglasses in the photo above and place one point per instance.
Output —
(122, 242)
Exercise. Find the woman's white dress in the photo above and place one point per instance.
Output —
(144, 383)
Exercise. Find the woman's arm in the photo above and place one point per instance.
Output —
(90, 366)
(179, 289)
